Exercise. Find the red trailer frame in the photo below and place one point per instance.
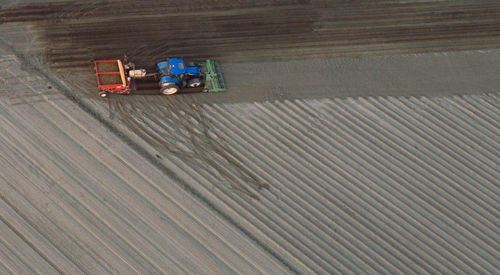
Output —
(105, 70)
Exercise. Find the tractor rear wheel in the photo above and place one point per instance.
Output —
(194, 82)
(169, 89)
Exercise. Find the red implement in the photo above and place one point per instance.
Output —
(111, 77)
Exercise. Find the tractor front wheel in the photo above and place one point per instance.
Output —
(169, 89)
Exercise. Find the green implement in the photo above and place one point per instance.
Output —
(213, 76)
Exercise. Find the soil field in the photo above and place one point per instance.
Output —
(107, 67)
(74, 33)
(110, 79)
(283, 179)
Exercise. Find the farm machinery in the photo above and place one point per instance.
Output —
(172, 75)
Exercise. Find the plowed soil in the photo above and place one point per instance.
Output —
(110, 79)
(269, 50)
(75, 33)
(107, 67)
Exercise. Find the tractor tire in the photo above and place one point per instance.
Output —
(169, 89)
(194, 83)
(103, 94)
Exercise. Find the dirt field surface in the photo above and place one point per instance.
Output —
(75, 32)
(108, 67)
(369, 185)
(248, 36)
(286, 172)
(110, 79)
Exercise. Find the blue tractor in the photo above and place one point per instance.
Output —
(176, 75)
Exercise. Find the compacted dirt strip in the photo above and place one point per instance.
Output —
(75, 33)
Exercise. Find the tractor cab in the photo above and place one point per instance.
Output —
(176, 67)
(176, 75)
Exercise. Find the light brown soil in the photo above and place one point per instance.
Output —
(107, 67)
(110, 79)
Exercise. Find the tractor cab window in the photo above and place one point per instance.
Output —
(176, 66)
(179, 65)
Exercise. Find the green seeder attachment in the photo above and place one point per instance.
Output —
(213, 76)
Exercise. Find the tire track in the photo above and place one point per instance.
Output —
(192, 141)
